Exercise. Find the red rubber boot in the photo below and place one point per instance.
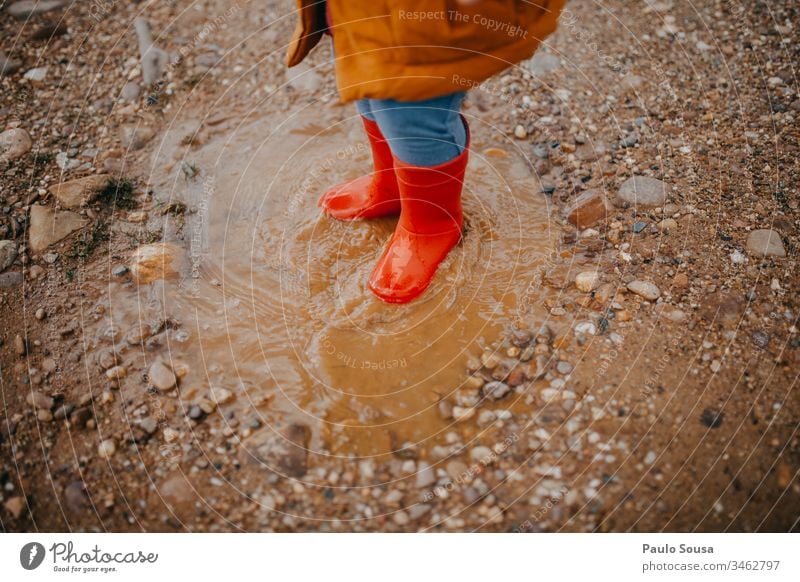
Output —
(429, 227)
(369, 196)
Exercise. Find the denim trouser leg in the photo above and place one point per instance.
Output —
(421, 133)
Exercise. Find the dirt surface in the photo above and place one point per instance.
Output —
(186, 345)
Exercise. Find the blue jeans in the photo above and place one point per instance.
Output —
(421, 133)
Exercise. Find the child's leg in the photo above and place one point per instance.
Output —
(372, 195)
(421, 133)
(429, 141)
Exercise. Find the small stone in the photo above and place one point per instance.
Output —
(681, 281)
(760, 339)
(587, 281)
(106, 358)
(520, 132)
(425, 475)
(481, 454)
(712, 418)
(40, 314)
(667, 225)
(40, 401)
(14, 143)
(521, 337)
(130, 91)
(496, 390)
(639, 226)
(119, 271)
(161, 377)
(644, 289)
(148, 424)
(588, 209)
(44, 415)
(220, 395)
(461, 414)
(23, 9)
(20, 345)
(643, 191)
(586, 327)
(765, 243)
(63, 411)
(417, 511)
(107, 448)
(490, 360)
(116, 373)
(650, 457)
(36, 76)
(401, 518)
(8, 254)
(564, 367)
(15, 506)
(675, 315)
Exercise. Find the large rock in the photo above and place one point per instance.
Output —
(764, 243)
(643, 192)
(588, 208)
(14, 143)
(26, 8)
(76, 193)
(49, 226)
(8, 254)
(284, 452)
(153, 262)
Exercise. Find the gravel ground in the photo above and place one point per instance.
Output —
(661, 393)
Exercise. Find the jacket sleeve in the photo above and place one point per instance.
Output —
(308, 31)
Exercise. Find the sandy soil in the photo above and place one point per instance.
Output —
(639, 374)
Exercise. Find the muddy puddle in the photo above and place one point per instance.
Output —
(271, 295)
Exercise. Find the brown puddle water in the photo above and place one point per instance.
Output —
(272, 298)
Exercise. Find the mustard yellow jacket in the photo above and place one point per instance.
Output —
(412, 50)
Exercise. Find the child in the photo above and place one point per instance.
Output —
(406, 64)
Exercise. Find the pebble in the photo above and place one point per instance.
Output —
(586, 327)
(220, 395)
(496, 390)
(587, 209)
(119, 271)
(564, 367)
(461, 414)
(426, 476)
(40, 401)
(587, 281)
(107, 448)
(650, 457)
(8, 254)
(14, 143)
(712, 418)
(149, 424)
(130, 91)
(106, 358)
(36, 75)
(20, 345)
(40, 314)
(161, 377)
(23, 9)
(401, 518)
(481, 454)
(15, 506)
(643, 191)
(765, 243)
(644, 289)
(520, 132)
(116, 373)
(668, 224)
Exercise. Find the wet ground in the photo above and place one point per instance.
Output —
(206, 356)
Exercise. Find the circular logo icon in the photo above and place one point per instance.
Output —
(31, 555)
